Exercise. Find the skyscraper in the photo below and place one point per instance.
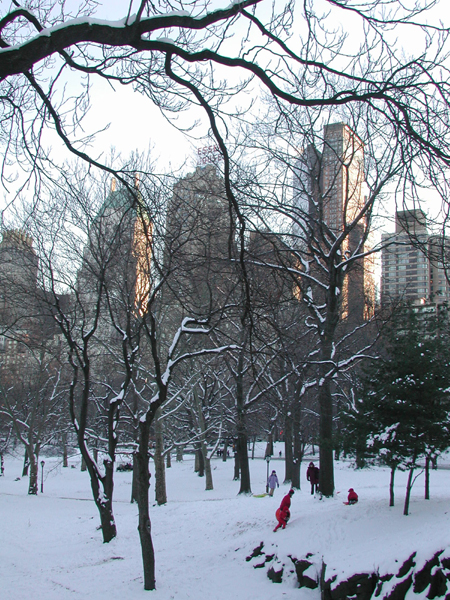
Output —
(118, 252)
(329, 193)
(199, 241)
(342, 176)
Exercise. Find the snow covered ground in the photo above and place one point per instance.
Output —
(50, 548)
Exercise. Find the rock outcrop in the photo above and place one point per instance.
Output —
(431, 580)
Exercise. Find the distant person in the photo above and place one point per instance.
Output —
(280, 454)
(283, 513)
(272, 482)
(352, 496)
(312, 475)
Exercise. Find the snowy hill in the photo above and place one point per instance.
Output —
(50, 548)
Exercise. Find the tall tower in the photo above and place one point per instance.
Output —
(328, 196)
(199, 241)
(306, 191)
(342, 175)
(118, 253)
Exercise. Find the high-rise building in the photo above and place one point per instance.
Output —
(118, 252)
(329, 193)
(306, 191)
(199, 242)
(26, 322)
(342, 176)
(18, 274)
(413, 270)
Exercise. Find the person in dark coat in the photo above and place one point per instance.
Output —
(312, 475)
(272, 482)
(285, 513)
(352, 496)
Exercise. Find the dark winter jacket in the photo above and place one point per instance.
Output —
(312, 474)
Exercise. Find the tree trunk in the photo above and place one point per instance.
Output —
(241, 425)
(360, 458)
(338, 436)
(168, 461)
(144, 526)
(288, 450)
(83, 464)
(253, 447)
(107, 522)
(196, 461)
(201, 462)
(2, 464)
(391, 486)
(237, 469)
(269, 445)
(33, 481)
(298, 448)
(179, 453)
(134, 480)
(326, 483)
(160, 471)
(242, 452)
(104, 504)
(295, 483)
(427, 478)
(208, 473)
(102, 491)
(26, 463)
(65, 451)
(408, 492)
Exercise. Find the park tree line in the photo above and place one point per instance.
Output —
(177, 331)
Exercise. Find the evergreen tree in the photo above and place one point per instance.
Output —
(403, 402)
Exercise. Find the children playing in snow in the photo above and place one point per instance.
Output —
(312, 475)
(283, 513)
(352, 496)
(272, 482)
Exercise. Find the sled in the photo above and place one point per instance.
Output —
(260, 495)
(277, 515)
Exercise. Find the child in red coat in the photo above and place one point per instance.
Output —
(283, 513)
(352, 496)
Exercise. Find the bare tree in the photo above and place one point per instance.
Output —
(32, 401)
(90, 290)
(395, 102)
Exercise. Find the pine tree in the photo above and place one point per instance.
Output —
(403, 402)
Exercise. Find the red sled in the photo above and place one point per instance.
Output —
(277, 515)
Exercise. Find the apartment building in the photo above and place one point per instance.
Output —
(412, 263)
